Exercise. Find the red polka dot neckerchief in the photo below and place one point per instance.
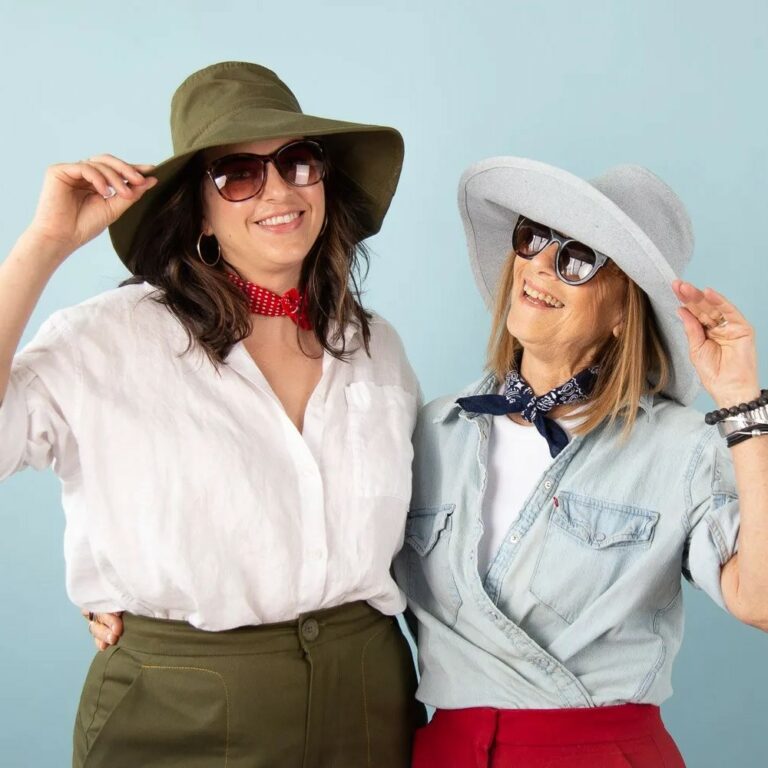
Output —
(262, 301)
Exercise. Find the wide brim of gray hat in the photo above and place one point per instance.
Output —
(651, 246)
(369, 156)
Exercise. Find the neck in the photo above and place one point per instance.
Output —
(276, 280)
(268, 331)
(545, 372)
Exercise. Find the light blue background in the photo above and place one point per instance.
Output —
(677, 85)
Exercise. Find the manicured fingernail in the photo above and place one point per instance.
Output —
(111, 192)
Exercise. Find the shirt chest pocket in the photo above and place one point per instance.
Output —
(589, 545)
(428, 577)
(381, 420)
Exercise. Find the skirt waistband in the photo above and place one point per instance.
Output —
(556, 726)
(179, 638)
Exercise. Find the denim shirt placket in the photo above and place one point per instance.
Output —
(541, 496)
(486, 594)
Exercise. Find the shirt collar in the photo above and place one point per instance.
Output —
(485, 386)
(351, 332)
(646, 405)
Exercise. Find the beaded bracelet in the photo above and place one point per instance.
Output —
(714, 417)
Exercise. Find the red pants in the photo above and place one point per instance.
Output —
(626, 736)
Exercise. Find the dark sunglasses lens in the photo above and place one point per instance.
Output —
(576, 262)
(530, 238)
(301, 164)
(238, 178)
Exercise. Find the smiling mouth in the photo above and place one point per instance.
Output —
(274, 221)
(540, 298)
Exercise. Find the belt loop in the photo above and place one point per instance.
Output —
(490, 746)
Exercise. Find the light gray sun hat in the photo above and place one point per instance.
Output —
(628, 213)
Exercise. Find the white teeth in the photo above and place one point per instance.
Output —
(545, 297)
(275, 220)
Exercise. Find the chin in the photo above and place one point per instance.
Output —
(518, 327)
(529, 332)
(287, 254)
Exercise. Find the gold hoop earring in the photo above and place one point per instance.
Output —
(200, 253)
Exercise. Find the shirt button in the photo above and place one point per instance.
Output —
(600, 537)
(547, 484)
(514, 538)
(310, 630)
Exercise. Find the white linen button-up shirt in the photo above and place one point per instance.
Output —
(188, 492)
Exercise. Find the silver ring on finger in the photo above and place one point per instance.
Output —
(714, 324)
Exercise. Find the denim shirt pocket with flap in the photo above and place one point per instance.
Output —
(595, 539)
(430, 580)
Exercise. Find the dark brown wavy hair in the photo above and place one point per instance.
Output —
(212, 310)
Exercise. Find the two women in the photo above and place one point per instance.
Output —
(232, 432)
(558, 501)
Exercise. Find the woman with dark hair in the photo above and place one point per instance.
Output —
(232, 432)
(559, 501)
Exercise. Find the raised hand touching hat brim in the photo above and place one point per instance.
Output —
(721, 343)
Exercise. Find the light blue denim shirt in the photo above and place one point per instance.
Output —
(582, 605)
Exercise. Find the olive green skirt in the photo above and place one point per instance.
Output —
(334, 689)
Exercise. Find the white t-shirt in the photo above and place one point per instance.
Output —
(518, 456)
(188, 492)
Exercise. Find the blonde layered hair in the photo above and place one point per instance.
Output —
(634, 364)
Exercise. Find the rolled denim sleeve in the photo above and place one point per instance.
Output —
(713, 515)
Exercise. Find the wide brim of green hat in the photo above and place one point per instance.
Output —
(370, 156)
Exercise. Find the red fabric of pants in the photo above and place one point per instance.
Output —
(625, 736)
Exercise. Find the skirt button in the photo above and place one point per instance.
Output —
(310, 630)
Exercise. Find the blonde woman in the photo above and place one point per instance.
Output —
(559, 501)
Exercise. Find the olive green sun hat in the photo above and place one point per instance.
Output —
(233, 102)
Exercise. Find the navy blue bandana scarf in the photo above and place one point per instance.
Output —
(519, 398)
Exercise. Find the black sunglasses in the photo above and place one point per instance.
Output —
(241, 176)
(575, 263)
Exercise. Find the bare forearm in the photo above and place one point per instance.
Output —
(724, 352)
(23, 276)
(747, 574)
